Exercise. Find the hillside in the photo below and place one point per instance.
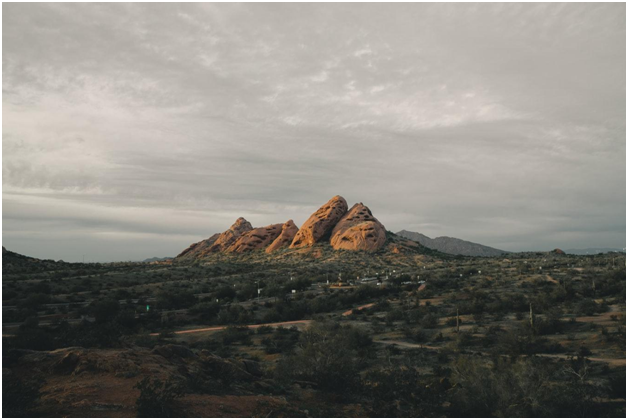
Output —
(453, 246)
(12, 263)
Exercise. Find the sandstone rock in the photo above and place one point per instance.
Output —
(217, 242)
(358, 230)
(198, 248)
(228, 237)
(285, 238)
(258, 238)
(320, 223)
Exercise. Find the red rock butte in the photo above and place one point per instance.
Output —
(353, 230)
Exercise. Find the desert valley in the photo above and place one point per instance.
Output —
(339, 317)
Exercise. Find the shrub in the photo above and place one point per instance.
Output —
(157, 398)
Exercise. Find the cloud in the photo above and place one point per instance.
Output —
(123, 123)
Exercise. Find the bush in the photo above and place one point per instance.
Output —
(157, 398)
(328, 355)
(18, 396)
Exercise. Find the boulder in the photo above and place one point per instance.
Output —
(285, 238)
(358, 230)
(258, 238)
(320, 223)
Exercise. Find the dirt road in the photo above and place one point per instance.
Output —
(223, 327)
(359, 308)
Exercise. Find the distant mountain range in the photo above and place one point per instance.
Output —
(453, 246)
(594, 251)
(156, 259)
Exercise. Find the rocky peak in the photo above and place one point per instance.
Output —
(285, 238)
(254, 239)
(358, 230)
(228, 237)
(320, 223)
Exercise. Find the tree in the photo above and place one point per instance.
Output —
(105, 310)
(327, 355)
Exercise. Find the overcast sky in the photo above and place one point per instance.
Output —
(131, 131)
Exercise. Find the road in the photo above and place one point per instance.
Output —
(359, 308)
(224, 327)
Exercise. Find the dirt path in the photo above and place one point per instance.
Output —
(224, 327)
(359, 308)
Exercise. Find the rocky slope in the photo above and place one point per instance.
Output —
(320, 223)
(285, 238)
(80, 382)
(453, 246)
(258, 238)
(231, 235)
(217, 242)
(358, 230)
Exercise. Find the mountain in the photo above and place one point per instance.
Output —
(333, 223)
(594, 251)
(156, 259)
(453, 246)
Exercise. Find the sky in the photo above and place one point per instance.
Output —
(133, 130)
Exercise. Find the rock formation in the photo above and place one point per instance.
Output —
(258, 238)
(358, 230)
(217, 242)
(320, 223)
(228, 237)
(285, 238)
(199, 248)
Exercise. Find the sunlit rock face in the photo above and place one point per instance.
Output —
(285, 238)
(217, 242)
(320, 223)
(358, 230)
(258, 238)
(228, 237)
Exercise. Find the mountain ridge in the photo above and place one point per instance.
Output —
(452, 245)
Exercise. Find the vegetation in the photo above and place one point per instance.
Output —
(380, 335)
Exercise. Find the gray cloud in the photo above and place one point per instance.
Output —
(131, 130)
